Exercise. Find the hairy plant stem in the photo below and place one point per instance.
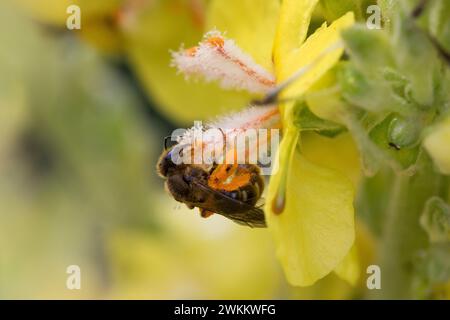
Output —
(402, 236)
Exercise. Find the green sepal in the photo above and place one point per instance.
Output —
(435, 220)
(416, 58)
(431, 268)
(369, 49)
(305, 120)
(400, 86)
(370, 94)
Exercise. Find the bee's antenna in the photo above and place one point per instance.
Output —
(273, 96)
(165, 142)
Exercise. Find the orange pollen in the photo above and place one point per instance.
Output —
(216, 41)
(191, 51)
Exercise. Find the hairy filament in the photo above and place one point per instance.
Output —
(219, 59)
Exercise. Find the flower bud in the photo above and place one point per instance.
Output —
(403, 133)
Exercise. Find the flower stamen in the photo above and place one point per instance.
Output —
(220, 59)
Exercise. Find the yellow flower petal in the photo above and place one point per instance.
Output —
(361, 255)
(318, 43)
(49, 11)
(352, 269)
(292, 28)
(315, 231)
(323, 150)
(437, 144)
(324, 98)
(330, 287)
(349, 269)
(250, 23)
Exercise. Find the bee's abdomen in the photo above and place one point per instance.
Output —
(249, 193)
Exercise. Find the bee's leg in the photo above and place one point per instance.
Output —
(205, 213)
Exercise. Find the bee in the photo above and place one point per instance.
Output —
(231, 190)
(221, 183)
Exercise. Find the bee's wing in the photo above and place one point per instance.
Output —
(247, 215)
(260, 203)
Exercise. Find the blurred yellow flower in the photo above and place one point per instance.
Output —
(55, 11)
(194, 258)
(153, 30)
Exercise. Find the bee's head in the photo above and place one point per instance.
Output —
(165, 165)
(181, 179)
